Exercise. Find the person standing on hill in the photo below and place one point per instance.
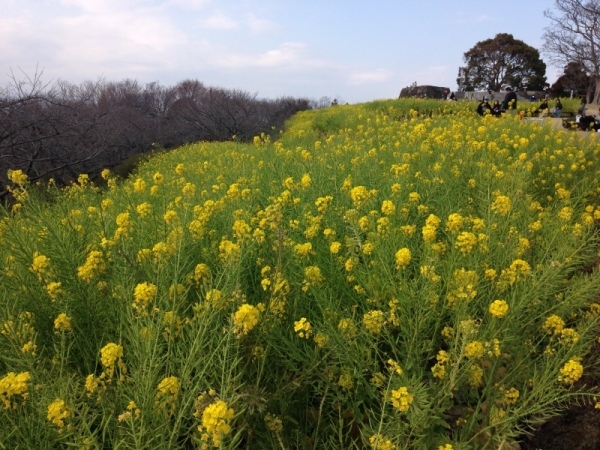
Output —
(510, 100)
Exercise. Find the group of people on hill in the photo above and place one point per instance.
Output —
(510, 103)
(587, 122)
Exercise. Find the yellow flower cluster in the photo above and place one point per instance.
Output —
(62, 323)
(501, 205)
(303, 328)
(360, 195)
(132, 411)
(143, 294)
(403, 257)
(518, 270)
(388, 208)
(379, 442)
(54, 290)
(401, 399)
(93, 266)
(229, 251)
(111, 357)
(345, 380)
(58, 412)
(166, 394)
(124, 225)
(454, 223)
(245, 319)
(466, 242)
(13, 385)
(18, 177)
(303, 249)
(215, 422)
(201, 273)
(139, 185)
(172, 324)
(144, 209)
(553, 324)
(41, 265)
(439, 368)
(312, 276)
(20, 330)
(347, 327)
(374, 321)
(511, 396)
(429, 231)
(464, 286)
(474, 349)
(571, 371)
(498, 308)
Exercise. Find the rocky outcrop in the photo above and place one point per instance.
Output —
(424, 91)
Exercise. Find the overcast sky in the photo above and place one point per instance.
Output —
(352, 50)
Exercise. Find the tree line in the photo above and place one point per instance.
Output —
(60, 130)
(572, 40)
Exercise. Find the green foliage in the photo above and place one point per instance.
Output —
(399, 274)
(503, 60)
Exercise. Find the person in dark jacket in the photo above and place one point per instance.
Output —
(497, 108)
(484, 107)
(510, 100)
(543, 109)
(558, 108)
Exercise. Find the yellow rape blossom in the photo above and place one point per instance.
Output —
(403, 257)
(379, 442)
(374, 321)
(303, 328)
(167, 392)
(401, 399)
(501, 205)
(62, 323)
(111, 357)
(14, 385)
(143, 294)
(498, 308)
(58, 412)
(388, 208)
(474, 349)
(245, 319)
(18, 177)
(93, 266)
(335, 247)
(553, 324)
(215, 422)
(571, 371)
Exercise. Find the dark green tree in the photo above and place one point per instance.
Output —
(575, 81)
(500, 61)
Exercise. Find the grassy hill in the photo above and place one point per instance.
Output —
(393, 275)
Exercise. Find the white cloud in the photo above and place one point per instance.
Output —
(288, 54)
(258, 25)
(189, 4)
(374, 76)
(219, 22)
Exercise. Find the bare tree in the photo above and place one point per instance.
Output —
(574, 37)
(61, 130)
(48, 130)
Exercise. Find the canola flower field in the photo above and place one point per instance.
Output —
(392, 275)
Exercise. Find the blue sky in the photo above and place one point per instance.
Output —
(352, 50)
